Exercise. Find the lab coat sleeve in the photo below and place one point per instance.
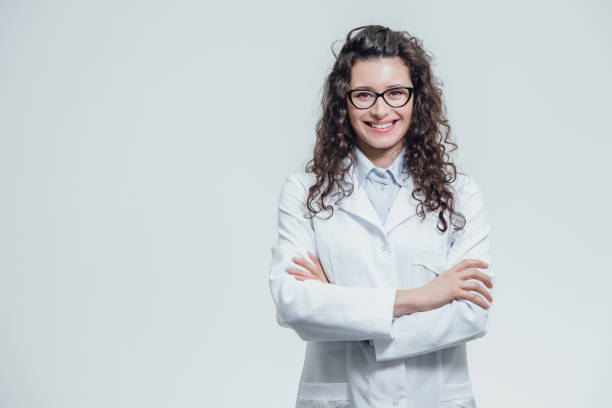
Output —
(315, 310)
(460, 320)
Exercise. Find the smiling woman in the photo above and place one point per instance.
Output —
(385, 299)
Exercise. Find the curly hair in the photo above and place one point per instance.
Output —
(426, 155)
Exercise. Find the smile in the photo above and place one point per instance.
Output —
(383, 127)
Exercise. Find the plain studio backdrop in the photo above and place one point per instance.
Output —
(143, 147)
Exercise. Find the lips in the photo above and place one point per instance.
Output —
(382, 131)
(381, 123)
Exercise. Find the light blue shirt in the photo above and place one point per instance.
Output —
(381, 185)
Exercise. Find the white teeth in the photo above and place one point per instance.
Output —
(383, 126)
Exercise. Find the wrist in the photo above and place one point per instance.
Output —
(406, 302)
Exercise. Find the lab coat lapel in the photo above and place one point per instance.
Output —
(403, 208)
(358, 204)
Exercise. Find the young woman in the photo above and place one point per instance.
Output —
(382, 262)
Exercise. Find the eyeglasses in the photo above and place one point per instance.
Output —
(395, 97)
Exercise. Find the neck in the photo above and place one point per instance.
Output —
(380, 157)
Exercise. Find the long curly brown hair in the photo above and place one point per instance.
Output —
(426, 154)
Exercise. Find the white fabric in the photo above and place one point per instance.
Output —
(418, 360)
(381, 185)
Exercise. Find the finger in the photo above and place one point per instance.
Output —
(474, 298)
(303, 277)
(302, 262)
(476, 274)
(319, 271)
(321, 274)
(297, 272)
(314, 269)
(477, 287)
(314, 259)
(471, 263)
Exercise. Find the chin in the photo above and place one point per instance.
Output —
(380, 145)
(381, 142)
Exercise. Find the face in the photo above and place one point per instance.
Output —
(380, 74)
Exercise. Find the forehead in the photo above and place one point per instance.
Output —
(379, 73)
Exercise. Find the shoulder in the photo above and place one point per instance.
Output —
(301, 180)
(465, 185)
(466, 190)
(298, 184)
(294, 192)
(468, 195)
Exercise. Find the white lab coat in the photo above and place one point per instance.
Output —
(416, 360)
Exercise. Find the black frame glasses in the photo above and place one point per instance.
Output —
(349, 95)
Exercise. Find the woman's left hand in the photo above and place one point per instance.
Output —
(316, 270)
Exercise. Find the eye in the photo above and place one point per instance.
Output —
(363, 95)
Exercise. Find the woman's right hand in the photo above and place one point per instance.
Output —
(454, 284)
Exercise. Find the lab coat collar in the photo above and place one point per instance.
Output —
(363, 166)
(358, 203)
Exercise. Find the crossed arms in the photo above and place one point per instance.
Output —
(320, 311)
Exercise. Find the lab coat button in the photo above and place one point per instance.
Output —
(385, 248)
(395, 403)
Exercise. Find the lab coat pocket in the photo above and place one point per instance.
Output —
(431, 261)
(456, 394)
(322, 395)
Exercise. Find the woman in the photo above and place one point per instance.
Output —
(381, 262)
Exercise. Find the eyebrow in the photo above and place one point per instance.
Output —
(387, 87)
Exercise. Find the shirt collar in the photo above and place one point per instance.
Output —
(364, 165)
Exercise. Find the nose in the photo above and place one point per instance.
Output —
(380, 108)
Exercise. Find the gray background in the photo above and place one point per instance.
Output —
(143, 146)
